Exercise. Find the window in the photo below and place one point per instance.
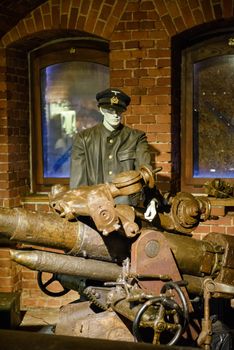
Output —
(207, 112)
(66, 78)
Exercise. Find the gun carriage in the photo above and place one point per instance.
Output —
(136, 280)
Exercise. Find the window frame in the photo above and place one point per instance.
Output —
(206, 48)
(82, 49)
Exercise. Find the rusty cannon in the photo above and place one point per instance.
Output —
(137, 281)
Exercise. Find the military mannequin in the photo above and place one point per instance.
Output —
(108, 148)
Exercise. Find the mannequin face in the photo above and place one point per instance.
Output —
(112, 118)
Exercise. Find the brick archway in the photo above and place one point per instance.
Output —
(97, 18)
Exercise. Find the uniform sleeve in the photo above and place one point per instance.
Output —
(143, 158)
(78, 173)
(142, 152)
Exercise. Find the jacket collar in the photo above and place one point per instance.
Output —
(115, 132)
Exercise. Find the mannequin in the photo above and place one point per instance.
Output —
(103, 151)
(111, 121)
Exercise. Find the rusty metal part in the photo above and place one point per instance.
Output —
(187, 211)
(45, 284)
(214, 287)
(192, 256)
(103, 214)
(80, 320)
(127, 217)
(219, 189)
(205, 336)
(128, 182)
(161, 323)
(97, 200)
(49, 230)
(226, 264)
(148, 252)
(195, 257)
(65, 264)
(211, 288)
(148, 175)
(97, 296)
(194, 284)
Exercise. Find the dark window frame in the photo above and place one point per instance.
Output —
(86, 50)
(187, 49)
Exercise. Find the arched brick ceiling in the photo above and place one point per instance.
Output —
(11, 11)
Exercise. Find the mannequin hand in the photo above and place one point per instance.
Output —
(151, 210)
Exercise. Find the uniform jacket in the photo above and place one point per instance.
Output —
(99, 154)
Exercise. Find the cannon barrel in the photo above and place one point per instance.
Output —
(207, 257)
(49, 230)
(69, 265)
(193, 256)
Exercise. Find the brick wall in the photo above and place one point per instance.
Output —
(139, 34)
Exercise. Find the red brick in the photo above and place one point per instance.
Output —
(147, 82)
(198, 16)
(202, 229)
(147, 5)
(80, 22)
(117, 64)
(148, 119)
(131, 82)
(218, 210)
(173, 9)
(161, 7)
(117, 82)
(148, 100)
(133, 119)
(120, 55)
(193, 3)
(85, 7)
(105, 12)
(132, 25)
(141, 127)
(91, 21)
(179, 23)
(230, 230)
(47, 21)
(132, 44)
(148, 62)
(169, 25)
(146, 43)
(30, 25)
(207, 10)
(116, 45)
(218, 229)
(38, 19)
(139, 35)
(123, 73)
(73, 18)
(99, 27)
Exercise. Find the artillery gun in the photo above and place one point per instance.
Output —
(137, 281)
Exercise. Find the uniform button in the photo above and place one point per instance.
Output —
(111, 141)
(110, 156)
(110, 172)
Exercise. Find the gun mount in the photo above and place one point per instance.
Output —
(136, 282)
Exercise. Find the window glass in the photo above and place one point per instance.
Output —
(213, 118)
(206, 93)
(68, 105)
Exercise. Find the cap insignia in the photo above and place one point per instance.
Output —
(114, 100)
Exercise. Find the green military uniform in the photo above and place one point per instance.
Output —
(99, 154)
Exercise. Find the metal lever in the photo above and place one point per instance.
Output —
(210, 287)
